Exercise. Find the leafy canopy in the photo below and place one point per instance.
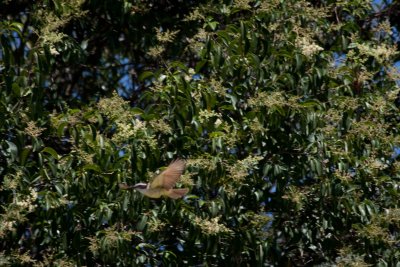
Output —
(286, 111)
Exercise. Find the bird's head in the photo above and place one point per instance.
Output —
(141, 186)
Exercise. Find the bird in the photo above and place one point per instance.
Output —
(162, 184)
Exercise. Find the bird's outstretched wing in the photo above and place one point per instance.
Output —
(168, 178)
(177, 192)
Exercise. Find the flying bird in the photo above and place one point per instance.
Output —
(162, 184)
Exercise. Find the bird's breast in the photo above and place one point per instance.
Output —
(155, 192)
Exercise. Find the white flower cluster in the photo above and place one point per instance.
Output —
(308, 47)
(212, 226)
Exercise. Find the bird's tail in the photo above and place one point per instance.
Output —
(177, 193)
(124, 186)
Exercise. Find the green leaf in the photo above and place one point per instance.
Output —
(93, 167)
(212, 24)
(60, 129)
(84, 44)
(12, 150)
(51, 152)
(145, 75)
(199, 65)
(24, 155)
(310, 103)
(142, 223)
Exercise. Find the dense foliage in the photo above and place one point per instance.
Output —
(286, 111)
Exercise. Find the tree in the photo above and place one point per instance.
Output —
(286, 112)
